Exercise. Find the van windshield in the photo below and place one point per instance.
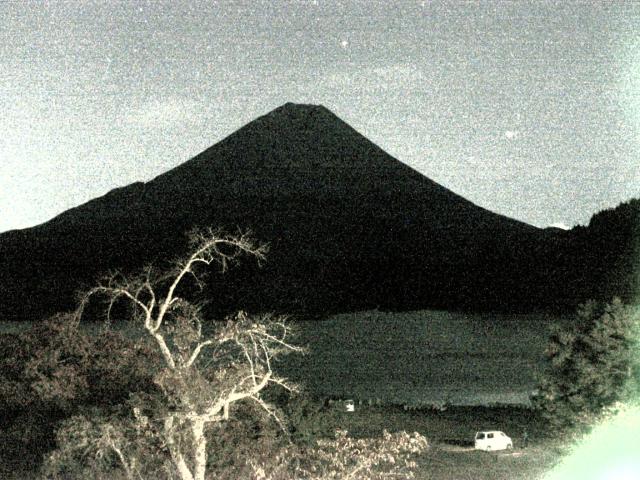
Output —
(480, 436)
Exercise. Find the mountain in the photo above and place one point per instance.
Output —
(349, 228)
(602, 259)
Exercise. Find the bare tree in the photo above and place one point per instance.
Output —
(204, 368)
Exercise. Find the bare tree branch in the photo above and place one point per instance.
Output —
(240, 353)
(197, 351)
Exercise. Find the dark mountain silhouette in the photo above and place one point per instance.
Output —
(602, 260)
(349, 228)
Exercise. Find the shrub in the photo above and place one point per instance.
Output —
(55, 365)
(340, 457)
(106, 444)
(308, 419)
(55, 369)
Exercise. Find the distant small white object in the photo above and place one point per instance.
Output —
(511, 134)
(349, 406)
(492, 440)
(344, 43)
(560, 225)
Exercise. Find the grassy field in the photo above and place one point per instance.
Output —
(450, 455)
(422, 358)
(450, 434)
(416, 358)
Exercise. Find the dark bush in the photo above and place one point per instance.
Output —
(309, 419)
(51, 371)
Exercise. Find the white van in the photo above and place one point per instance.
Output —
(492, 440)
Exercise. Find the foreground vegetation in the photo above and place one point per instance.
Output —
(169, 398)
(176, 400)
(450, 433)
(58, 377)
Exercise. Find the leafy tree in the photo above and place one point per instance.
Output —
(592, 364)
(54, 370)
(308, 419)
(56, 365)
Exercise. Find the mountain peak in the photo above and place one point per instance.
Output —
(301, 108)
(300, 111)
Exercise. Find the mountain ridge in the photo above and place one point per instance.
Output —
(288, 118)
(350, 227)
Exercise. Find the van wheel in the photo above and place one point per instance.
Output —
(510, 446)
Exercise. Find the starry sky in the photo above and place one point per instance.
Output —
(531, 109)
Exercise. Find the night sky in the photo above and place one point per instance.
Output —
(530, 110)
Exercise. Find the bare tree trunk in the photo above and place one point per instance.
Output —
(183, 469)
(176, 455)
(128, 470)
(200, 447)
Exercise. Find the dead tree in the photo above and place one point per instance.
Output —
(204, 368)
